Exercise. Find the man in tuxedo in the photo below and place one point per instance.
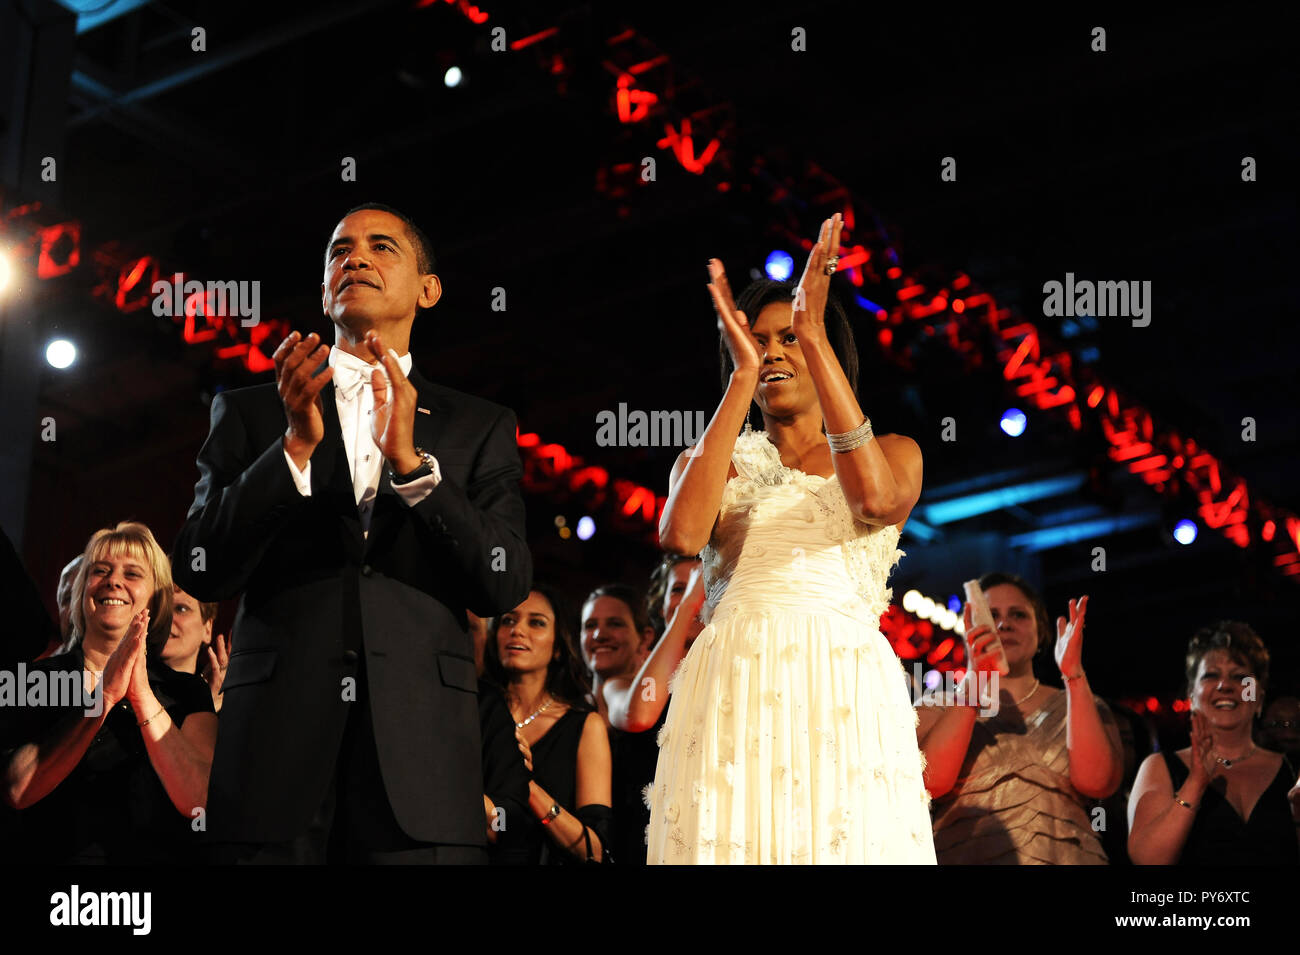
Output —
(360, 509)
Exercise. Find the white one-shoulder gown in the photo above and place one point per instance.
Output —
(790, 735)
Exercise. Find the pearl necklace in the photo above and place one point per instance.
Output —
(536, 713)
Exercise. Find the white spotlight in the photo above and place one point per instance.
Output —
(60, 353)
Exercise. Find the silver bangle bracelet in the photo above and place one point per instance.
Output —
(851, 440)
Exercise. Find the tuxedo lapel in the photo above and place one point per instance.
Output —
(430, 417)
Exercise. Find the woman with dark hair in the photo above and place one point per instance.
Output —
(1012, 787)
(1223, 800)
(790, 737)
(121, 780)
(532, 658)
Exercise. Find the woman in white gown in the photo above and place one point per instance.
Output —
(790, 736)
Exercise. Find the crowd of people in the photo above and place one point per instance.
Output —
(1053, 776)
(396, 656)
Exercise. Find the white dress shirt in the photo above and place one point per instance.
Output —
(355, 401)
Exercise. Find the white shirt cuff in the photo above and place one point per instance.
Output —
(301, 479)
(413, 492)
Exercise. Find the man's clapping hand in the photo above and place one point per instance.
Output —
(295, 360)
(393, 423)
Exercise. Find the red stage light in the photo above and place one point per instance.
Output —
(941, 651)
(641, 499)
(534, 38)
(633, 105)
(134, 283)
(589, 475)
(60, 249)
(683, 147)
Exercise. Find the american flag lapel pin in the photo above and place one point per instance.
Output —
(423, 410)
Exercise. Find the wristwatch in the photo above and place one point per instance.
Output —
(425, 468)
(550, 816)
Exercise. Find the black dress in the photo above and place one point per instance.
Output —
(112, 808)
(1219, 836)
(635, 758)
(555, 769)
(505, 777)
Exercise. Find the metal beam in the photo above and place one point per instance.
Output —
(176, 139)
(982, 502)
(1051, 537)
(91, 14)
(213, 61)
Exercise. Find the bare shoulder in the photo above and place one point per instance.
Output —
(595, 725)
(595, 736)
(1153, 770)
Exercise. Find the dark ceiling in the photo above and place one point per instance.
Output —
(1119, 165)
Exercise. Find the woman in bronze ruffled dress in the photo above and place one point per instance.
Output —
(1012, 787)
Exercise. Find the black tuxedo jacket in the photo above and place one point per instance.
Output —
(316, 595)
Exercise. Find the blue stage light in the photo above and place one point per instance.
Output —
(1013, 422)
(779, 265)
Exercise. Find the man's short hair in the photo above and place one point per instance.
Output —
(424, 260)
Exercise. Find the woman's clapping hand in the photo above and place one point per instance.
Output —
(1069, 640)
(733, 324)
(814, 285)
(119, 679)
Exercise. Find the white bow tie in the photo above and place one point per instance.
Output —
(350, 377)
